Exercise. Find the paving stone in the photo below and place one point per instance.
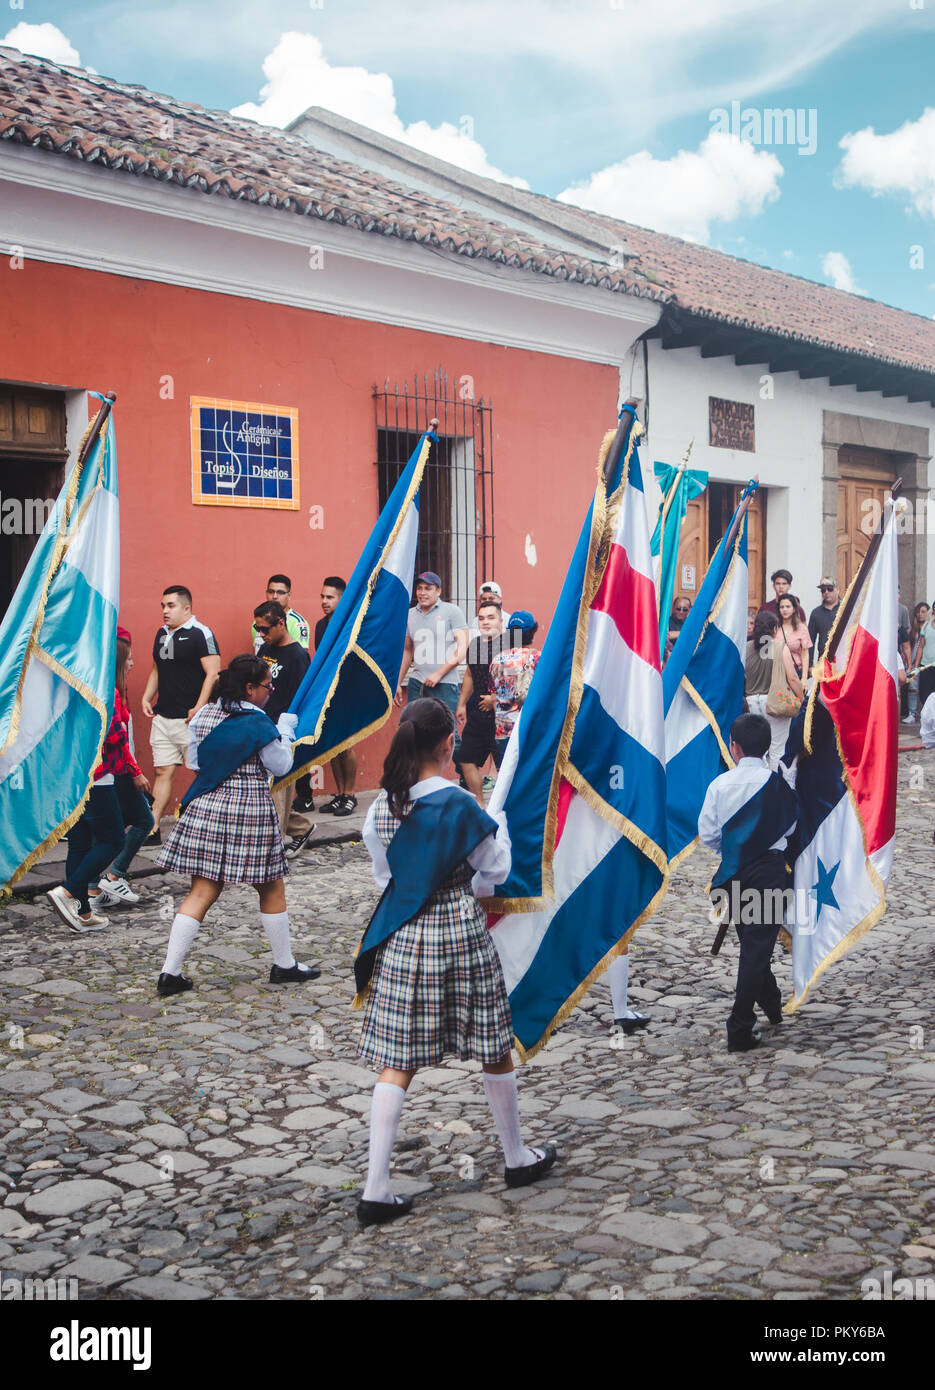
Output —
(71, 1100)
(93, 1269)
(125, 1112)
(66, 1197)
(136, 1174)
(312, 1117)
(659, 1232)
(166, 1136)
(160, 1287)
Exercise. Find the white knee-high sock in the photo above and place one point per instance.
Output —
(276, 926)
(503, 1100)
(183, 933)
(618, 977)
(385, 1110)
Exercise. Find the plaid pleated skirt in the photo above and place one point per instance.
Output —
(231, 834)
(438, 987)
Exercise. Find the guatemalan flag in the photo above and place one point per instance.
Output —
(348, 689)
(703, 684)
(846, 777)
(57, 658)
(583, 777)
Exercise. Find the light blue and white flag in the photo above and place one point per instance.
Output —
(347, 692)
(703, 684)
(678, 486)
(57, 655)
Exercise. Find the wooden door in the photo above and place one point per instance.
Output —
(865, 479)
(693, 548)
(706, 520)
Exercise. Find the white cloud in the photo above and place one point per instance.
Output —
(724, 178)
(298, 75)
(902, 162)
(42, 41)
(837, 268)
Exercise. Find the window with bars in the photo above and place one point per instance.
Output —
(456, 516)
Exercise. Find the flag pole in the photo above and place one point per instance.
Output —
(620, 438)
(90, 440)
(741, 512)
(853, 593)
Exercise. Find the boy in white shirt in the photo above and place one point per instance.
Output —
(747, 817)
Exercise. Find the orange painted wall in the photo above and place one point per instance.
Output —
(81, 329)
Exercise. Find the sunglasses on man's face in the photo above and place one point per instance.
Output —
(680, 609)
(265, 630)
(827, 588)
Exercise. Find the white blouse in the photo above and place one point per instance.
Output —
(275, 756)
(491, 859)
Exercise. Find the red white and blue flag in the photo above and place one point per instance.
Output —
(846, 777)
(583, 780)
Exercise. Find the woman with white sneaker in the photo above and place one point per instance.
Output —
(131, 786)
(98, 835)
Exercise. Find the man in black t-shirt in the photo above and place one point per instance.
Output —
(186, 663)
(287, 661)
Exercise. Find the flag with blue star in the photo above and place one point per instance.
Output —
(842, 746)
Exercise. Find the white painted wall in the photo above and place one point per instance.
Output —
(788, 458)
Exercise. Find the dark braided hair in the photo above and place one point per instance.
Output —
(231, 685)
(423, 725)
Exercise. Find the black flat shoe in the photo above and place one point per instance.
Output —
(630, 1025)
(282, 975)
(153, 838)
(173, 984)
(747, 1045)
(531, 1172)
(378, 1213)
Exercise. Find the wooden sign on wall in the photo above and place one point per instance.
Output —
(731, 425)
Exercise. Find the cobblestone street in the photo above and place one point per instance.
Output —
(213, 1145)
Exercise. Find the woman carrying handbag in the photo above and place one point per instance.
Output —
(786, 693)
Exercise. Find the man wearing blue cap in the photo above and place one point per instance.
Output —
(436, 644)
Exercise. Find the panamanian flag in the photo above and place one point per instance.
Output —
(703, 684)
(57, 659)
(583, 777)
(347, 692)
(846, 777)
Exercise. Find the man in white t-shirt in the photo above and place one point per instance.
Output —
(436, 645)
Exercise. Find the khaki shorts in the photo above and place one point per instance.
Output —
(168, 739)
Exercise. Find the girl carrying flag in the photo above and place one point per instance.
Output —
(228, 831)
(426, 966)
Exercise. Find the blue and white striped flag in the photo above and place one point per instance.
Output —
(583, 776)
(703, 684)
(347, 692)
(57, 654)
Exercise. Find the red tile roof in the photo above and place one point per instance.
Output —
(70, 112)
(84, 116)
(721, 287)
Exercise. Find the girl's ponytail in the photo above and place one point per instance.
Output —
(423, 725)
(231, 685)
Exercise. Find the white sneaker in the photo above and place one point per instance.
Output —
(117, 890)
(66, 907)
(92, 922)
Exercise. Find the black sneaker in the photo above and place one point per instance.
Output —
(304, 805)
(296, 845)
(345, 806)
(154, 838)
(283, 975)
(173, 984)
(328, 808)
(746, 1044)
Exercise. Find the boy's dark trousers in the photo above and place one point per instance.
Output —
(755, 982)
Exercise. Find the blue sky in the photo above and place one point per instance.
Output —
(604, 102)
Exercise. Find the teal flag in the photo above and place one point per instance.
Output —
(57, 658)
(679, 486)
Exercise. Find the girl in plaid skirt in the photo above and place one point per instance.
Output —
(430, 974)
(228, 831)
